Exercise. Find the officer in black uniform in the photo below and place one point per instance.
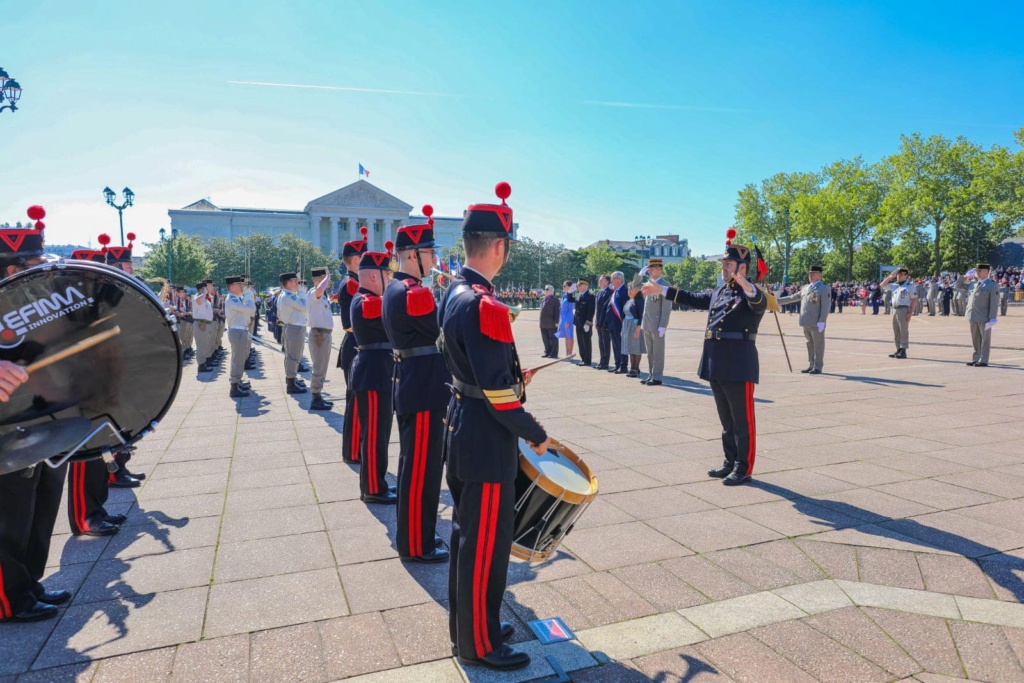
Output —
(371, 376)
(29, 498)
(604, 335)
(351, 253)
(485, 420)
(583, 319)
(729, 361)
(421, 391)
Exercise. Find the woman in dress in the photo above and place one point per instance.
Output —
(632, 339)
(565, 324)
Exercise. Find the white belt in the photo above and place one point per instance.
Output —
(239, 328)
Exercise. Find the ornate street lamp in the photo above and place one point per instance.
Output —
(644, 242)
(10, 91)
(169, 246)
(129, 199)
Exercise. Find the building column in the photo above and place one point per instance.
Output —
(335, 251)
(314, 230)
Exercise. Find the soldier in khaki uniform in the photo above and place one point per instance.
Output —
(654, 324)
(904, 297)
(238, 310)
(321, 325)
(202, 328)
(982, 309)
(1004, 295)
(815, 303)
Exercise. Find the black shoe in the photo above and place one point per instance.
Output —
(319, 404)
(618, 371)
(300, 382)
(972, 363)
(203, 367)
(350, 462)
(806, 370)
(503, 658)
(981, 365)
(112, 519)
(438, 541)
(902, 354)
(237, 391)
(815, 371)
(736, 478)
(600, 367)
(897, 354)
(124, 482)
(104, 529)
(388, 498)
(634, 375)
(507, 630)
(654, 382)
(37, 612)
(293, 387)
(244, 383)
(434, 556)
(141, 476)
(721, 472)
(54, 597)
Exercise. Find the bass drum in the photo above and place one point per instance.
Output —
(128, 381)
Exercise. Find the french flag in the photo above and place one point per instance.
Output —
(363, 171)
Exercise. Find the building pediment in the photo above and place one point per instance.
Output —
(201, 205)
(358, 195)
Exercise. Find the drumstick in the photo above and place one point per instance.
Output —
(103, 320)
(73, 349)
(547, 365)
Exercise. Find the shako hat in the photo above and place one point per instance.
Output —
(26, 241)
(656, 262)
(117, 254)
(490, 219)
(355, 247)
(377, 260)
(417, 236)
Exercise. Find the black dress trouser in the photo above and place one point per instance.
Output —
(735, 403)
(88, 487)
(420, 467)
(604, 346)
(375, 418)
(28, 511)
(550, 342)
(483, 516)
(584, 344)
(619, 357)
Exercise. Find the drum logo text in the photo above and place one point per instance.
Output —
(16, 324)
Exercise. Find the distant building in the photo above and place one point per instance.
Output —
(63, 250)
(669, 248)
(328, 222)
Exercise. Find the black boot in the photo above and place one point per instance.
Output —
(294, 388)
(318, 403)
(722, 472)
(237, 391)
(738, 476)
(901, 354)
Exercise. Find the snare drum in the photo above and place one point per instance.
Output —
(552, 491)
(124, 385)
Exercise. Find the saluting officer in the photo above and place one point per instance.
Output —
(815, 303)
(291, 310)
(202, 328)
(982, 309)
(321, 324)
(351, 253)
(421, 391)
(485, 420)
(904, 295)
(583, 320)
(238, 311)
(654, 323)
(371, 376)
(729, 361)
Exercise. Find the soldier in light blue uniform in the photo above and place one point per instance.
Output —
(982, 309)
(815, 303)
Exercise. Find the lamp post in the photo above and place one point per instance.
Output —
(169, 245)
(129, 199)
(10, 91)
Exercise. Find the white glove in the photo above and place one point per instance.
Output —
(973, 272)
(661, 331)
(586, 327)
(821, 327)
(572, 288)
(644, 271)
(990, 324)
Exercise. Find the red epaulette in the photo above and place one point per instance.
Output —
(418, 299)
(351, 286)
(372, 307)
(495, 321)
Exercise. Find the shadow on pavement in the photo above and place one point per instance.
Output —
(1005, 570)
(883, 381)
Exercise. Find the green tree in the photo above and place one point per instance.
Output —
(914, 252)
(601, 260)
(188, 260)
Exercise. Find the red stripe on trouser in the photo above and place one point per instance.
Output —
(751, 429)
(371, 443)
(5, 604)
(420, 469)
(415, 543)
(111, 478)
(485, 544)
(78, 469)
(354, 452)
(479, 606)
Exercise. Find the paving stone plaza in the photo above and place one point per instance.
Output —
(881, 540)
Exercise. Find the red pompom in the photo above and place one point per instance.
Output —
(428, 210)
(730, 233)
(103, 239)
(36, 212)
(388, 246)
(363, 231)
(40, 225)
(728, 243)
(131, 236)
(503, 190)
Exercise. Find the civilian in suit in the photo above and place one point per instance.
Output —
(549, 322)
(583, 319)
(604, 338)
(616, 303)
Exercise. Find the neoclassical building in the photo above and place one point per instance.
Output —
(328, 222)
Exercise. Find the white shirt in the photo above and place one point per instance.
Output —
(239, 310)
(202, 308)
(319, 311)
(291, 308)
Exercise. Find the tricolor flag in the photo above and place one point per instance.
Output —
(363, 171)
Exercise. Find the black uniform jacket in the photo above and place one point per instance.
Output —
(348, 289)
(373, 365)
(483, 431)
(616, 303)
(410, 319)
(729, 354)
(586, 305)
(602, 306)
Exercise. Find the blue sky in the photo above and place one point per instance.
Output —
(609, 119)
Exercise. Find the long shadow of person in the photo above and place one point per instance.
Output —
(1005, 570)
(883, 381)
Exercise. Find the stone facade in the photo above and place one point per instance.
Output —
(669, 248)
(328, 221)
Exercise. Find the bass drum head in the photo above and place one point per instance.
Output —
(130, 379)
